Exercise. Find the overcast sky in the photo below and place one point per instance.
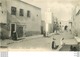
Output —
(62, 9)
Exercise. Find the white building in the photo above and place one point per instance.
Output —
(76, 22)
(19, 16)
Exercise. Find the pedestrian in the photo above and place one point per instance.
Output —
(71, 48)
(53, 44)
(61, 41)
(44, 34)
(62, 38)
(65, 28)
(74, 49)
(14, 35)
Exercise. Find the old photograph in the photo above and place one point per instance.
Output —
(40, 25)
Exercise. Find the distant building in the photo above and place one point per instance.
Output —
(48, 20)
(19, 16)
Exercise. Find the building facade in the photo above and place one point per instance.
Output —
(20, 17)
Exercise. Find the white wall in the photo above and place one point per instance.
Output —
(76, 25)
(34, 22)
(3, 16)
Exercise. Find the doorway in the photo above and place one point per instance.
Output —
(20, 31)
(42, 32)
(13, 28)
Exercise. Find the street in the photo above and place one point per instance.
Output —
(43, 43)
(36, 43)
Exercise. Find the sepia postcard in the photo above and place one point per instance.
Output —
(40, 25)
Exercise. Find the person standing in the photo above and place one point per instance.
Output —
(71, 48)
(65, 28)
(61, 41)
(14, 35)
(53, 44)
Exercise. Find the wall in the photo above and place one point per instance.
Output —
(31, 22)
(3, 20)
(3, 12)
(30, 25)
(76, 26)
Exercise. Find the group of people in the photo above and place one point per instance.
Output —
(54, 46)
(73, 48)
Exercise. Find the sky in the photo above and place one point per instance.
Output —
(62, 9)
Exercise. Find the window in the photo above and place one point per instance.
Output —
(37, 14)
(21, 12)
(13, 10)
(28, 13)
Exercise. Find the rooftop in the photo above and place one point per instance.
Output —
(29, 4)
